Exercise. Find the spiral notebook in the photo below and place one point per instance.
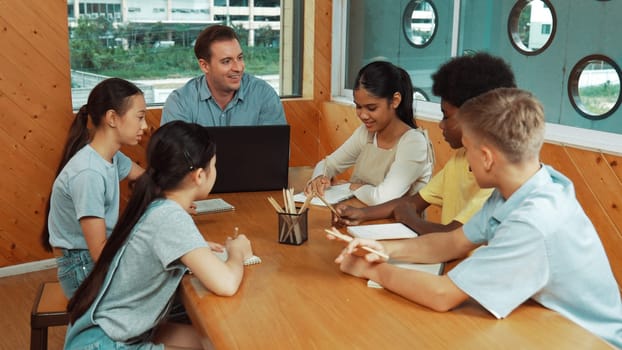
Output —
(214, 205)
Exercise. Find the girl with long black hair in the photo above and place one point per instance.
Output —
(84, 204)
(124, 301)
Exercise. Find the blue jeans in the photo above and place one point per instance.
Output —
(73, 267)
(94, 338)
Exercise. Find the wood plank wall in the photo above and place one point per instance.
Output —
(35, 109)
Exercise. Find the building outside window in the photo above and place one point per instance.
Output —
(150, 42)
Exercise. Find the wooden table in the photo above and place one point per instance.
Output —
(298, 299)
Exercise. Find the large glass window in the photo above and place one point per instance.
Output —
(367, 30)
(374, 34)
(150, 42)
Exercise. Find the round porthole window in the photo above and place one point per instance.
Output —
(531, 26)
(419, 22)
(594, 87)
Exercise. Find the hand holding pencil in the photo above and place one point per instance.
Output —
(239, 244)
(374, 247)
(318, 184)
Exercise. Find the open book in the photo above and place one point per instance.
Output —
(214, 205)
(333, 195)
(393, 231)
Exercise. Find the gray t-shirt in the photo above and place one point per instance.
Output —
(88, 185)
(148, 271)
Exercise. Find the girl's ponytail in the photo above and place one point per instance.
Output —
(405, 109)
(78, 136)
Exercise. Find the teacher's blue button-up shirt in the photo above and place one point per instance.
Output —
(255, 103)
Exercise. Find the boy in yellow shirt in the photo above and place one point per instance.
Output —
(453, 188)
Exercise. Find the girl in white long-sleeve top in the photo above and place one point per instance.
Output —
(391, 157)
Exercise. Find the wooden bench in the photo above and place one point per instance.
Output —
(49, 310)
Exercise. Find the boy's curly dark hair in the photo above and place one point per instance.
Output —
(464, 77)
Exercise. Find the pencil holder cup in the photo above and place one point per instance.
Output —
(293, 228)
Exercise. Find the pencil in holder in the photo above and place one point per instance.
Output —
(293, 228)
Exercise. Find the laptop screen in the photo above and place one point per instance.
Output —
(251, 158)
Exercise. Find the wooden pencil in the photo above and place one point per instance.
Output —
(328, 205)
(276, 205)
(347, 238)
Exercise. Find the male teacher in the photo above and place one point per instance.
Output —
(223, 95)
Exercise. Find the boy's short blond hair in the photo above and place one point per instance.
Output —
(510, 119)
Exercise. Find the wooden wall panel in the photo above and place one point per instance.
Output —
(35, 109)
(442, 151)
(303, 117)
(337, 122)
(322, 49)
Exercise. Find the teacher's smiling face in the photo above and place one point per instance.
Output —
(225, 67)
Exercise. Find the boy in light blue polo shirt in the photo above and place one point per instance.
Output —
(534, 240)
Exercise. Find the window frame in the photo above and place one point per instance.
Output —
(573, 86)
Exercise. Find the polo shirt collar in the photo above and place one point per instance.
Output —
(206, 94)
(540, 178)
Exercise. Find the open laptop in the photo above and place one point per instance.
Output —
(251, 158)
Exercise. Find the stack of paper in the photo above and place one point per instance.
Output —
(333, 195)
(395, 230)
